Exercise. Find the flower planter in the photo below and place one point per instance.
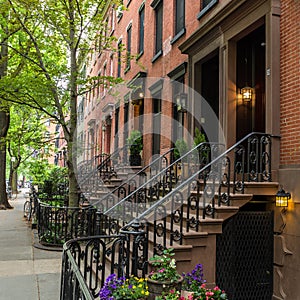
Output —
(186, 294)
(156, 288)
(135, 160)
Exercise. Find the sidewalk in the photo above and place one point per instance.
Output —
(26, 272)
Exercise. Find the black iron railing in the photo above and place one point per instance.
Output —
(136, 180)
(88, 261)
(171, 204)
(93, 174)
(197, 197)
(58, 224)
(117, 210)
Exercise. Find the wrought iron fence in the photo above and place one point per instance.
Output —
(120, 208)
(94, 173)
(88, 261)
(196, 198)
(176, 200)
(56, 224)
(135, 181)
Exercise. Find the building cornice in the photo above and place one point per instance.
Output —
(218, 20)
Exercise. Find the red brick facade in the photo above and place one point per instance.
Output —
(219, 31)
(290, 82)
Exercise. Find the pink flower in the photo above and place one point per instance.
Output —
(216, 288)
(161, 271)
(172, 292)
(209, 293)
(203, 285)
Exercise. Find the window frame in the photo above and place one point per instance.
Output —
(128, 47)
(157, 5)
(141, 42)
(119, 58)
(206, 8)
(178, 32)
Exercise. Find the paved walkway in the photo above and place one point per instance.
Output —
(26, 272)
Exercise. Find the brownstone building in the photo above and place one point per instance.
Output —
(216, 48)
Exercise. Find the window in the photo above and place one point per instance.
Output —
(158, 7)
(112, 21)
(141, 29)
(98, 85)
(206, 5)
(119, 12)
(179, 17)
(119, 58)
(111, 73)
(179, 20)
(104, 81)
(128, 54)
(158, 29)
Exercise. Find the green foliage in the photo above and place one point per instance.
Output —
(38, 170)
(57, 176)
(164, 266)
(199, 137)
(135, 141)
(181, 148)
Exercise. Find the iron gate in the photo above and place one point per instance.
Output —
(245, 256)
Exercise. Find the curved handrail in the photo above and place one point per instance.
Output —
(126, 230)
(195, 176)
(105, 163)
(161, 173)
(139, 173)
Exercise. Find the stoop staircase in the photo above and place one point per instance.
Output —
(183, 206)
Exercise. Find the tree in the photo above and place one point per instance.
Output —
(27, 135)
(54, 39)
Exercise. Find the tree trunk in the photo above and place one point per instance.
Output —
(72, 161)
(4, 125)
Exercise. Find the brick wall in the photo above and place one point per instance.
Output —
(290, 82)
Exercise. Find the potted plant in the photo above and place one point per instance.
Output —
(135, 142)
(171, 295)
(192, 281)
(181, 148)
(164, 277)
(121, 288)
(199, 137)
(204, 293)
(201, 154)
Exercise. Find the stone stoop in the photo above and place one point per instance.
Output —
(261, 188)
(201, 246)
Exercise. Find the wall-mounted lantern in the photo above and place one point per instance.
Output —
(181, 102)
(282, 198)
(137, 97)
(247, 93)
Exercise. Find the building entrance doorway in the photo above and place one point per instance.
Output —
(207, 85)
(250, 72)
